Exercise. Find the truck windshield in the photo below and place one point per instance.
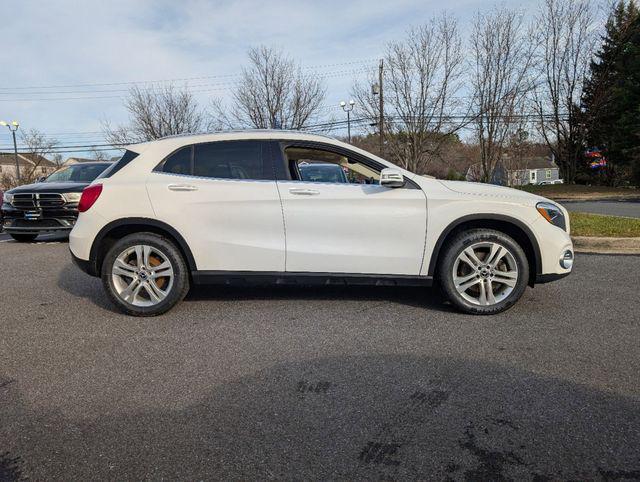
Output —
(77, 173)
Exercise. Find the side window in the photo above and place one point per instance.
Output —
(232, 160)
(126, 158)
(179, 162)
(316, 165)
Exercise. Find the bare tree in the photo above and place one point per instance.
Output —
(99, 155)
(422, 76)
(272, 93)
(157, 112)
(501, 58)
(36, 147)
(58, 160)
(565, 46)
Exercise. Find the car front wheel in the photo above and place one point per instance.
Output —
(144, 274)
(483, 271)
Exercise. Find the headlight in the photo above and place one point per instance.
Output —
(72, 197)
(7, 198)
(553, 214)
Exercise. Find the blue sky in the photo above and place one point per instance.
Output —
(67, 43)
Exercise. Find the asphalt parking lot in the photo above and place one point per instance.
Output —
(308, 383)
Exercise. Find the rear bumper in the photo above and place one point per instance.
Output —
(85, 265)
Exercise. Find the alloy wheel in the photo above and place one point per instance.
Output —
(142, 275)
(485, 273)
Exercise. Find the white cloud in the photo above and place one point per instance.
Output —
(75, 42)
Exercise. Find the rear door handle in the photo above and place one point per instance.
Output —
(182, 187)
(303, 192)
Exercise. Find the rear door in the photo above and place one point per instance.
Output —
(353, 225)
(222, 197)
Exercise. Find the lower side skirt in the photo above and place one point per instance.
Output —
(283, 278)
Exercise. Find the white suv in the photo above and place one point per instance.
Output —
(251, 207)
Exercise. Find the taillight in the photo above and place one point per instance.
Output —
(90, 195)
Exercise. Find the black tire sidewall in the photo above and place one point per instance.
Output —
(180, 281)
(463, 241)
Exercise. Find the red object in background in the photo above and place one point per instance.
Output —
(90, 195)
(593, 154)
(598, 160)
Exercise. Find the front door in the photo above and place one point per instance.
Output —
(340, 220)
(222, 197)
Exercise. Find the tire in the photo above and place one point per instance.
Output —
(23, 238)
(480, 285)
(138, 289)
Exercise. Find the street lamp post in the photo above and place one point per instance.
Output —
(13, 127)
(348, 110)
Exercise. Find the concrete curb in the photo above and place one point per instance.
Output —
(589, 244)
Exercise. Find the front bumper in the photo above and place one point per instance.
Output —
(41, 225)
(21, 221)
(550, 277)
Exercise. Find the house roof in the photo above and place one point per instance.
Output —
(537, 162)
(78, 160)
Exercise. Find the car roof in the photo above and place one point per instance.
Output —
(244, 134)
(167, 144)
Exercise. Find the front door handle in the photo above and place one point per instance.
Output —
(303, 192)
(182, 187)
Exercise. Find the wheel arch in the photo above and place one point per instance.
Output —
(115, 230)
(513, 227)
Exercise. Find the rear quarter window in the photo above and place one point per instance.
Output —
(126, 158)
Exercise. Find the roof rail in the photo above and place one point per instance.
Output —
(236, 131)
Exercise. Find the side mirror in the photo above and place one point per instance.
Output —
(41, 178)
(390, 177)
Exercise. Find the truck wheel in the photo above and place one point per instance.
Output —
(483, 271)
(144, 274)
(23, 238)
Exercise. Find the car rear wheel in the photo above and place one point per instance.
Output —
(23, 238)
(144, 274)
(483, 271)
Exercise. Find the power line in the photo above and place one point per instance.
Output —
(157, 81)
(190, 90)
(319, 127)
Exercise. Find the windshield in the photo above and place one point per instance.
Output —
(77, 173)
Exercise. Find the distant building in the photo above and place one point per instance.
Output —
(77, 160)
(29, 163)
(528, 170)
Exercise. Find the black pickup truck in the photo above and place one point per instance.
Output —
(50, 205)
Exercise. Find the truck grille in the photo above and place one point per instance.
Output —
(38, 200)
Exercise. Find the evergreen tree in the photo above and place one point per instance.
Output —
(611, 98)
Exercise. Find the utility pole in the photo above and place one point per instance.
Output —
(13, 127)
(381, 119)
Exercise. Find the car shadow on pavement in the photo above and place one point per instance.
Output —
(77, 283)
(352, 417)
(73, 281)
(419, 297)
